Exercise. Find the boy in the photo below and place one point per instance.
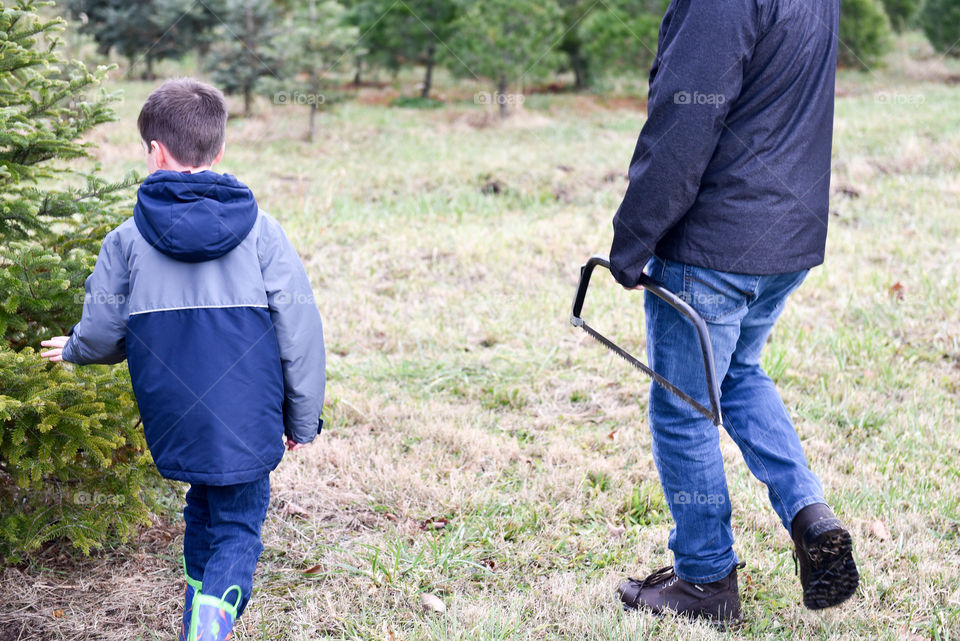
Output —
(206, 298)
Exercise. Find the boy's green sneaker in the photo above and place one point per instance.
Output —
(213, 618)
(193, 589)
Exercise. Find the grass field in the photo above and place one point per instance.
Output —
(480, 449)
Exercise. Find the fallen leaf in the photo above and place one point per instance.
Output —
(896, 290)
(391, 517)
(314, 570)
(612, 435)
(434, 524)
(58, 613)
(292, 509)
(879, 530)
(432, 603)
(615, 531)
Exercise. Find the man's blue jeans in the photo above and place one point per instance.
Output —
(740, 310)
(221, 544)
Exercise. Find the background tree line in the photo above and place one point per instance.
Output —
(314, 46)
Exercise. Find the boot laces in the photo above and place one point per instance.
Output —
(667, 576)
(663, 575)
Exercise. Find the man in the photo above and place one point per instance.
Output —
(727, 205)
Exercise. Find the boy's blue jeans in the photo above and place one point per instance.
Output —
(740, 310)
(221, 544)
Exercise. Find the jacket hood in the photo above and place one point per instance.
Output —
(194, 217)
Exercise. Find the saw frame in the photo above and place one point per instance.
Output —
(658, 290)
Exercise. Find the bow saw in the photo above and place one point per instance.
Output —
(657, 289)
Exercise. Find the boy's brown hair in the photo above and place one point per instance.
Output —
(189, 117)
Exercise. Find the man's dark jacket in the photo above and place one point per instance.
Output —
(732, 168)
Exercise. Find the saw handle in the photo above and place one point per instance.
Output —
(674, 301)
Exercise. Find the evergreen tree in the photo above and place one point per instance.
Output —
(365, 16)
(622, 35)
(902, 12)
(573, 45)
(507, 41)
(318, 37)
(941, 22)
(206, 19)
(864, 33)
(145, 31)
(73, 462)
(407, 32)
(248, 48)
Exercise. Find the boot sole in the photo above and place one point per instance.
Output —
(833, 572)
(719, 624)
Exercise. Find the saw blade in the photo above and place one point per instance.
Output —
(627, 356)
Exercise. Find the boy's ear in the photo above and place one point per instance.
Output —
(159, 154)
(219, 155)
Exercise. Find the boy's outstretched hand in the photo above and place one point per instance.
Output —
(293, 445)
(57, 342)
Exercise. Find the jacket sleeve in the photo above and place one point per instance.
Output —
(299, 331)
(697, 75)
(100, 336)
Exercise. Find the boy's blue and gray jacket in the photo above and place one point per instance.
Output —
(206, 298)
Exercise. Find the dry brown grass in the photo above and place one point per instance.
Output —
(480, 449)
